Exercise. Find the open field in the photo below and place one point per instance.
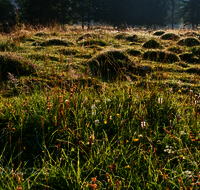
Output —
(99, 109)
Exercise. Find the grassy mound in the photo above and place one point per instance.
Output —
(128, 37)
(189, 42)
(53, 42)
(151, 44)
(185, 56)
(175, 49)
(93, 42)
(170, 36)
(109, 63)
(132, 38)
(191, 34)
(133, 52)
(197, 52)
(41, 34)
(158, 33)
(86, 36)
(68, 51)
(161, 56)
(11, 63)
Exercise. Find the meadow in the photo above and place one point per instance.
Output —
(99, 109)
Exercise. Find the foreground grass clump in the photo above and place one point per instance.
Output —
(189, 42)
(126, 36)
(161, 56)
(93, 42)
(93, 117)
(170, 36)
(15, 64)
(52, 42)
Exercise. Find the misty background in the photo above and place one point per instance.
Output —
(120, 14)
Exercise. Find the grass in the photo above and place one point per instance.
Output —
(82, 112)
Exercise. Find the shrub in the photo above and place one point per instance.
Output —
(151, 44)
(170, 36)
(16, 65)
(189, 42)
(161, 56)
(158, 33)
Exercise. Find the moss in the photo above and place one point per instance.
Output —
(161, 56)
(170, 36)
(68, 51)
(93, 42)
(158, 33)
(189, 42)
(16, 65)
(133, 52)
(151, 44)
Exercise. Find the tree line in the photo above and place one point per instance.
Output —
(115, 12)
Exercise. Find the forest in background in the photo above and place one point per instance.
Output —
(118, 13)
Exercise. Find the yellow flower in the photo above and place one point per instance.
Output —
(128, 167)
(117, 114)
(43, 151)
(135, 140)
(13, 128)
(179, 90)
(193, 85)
(127, 141)
(105, 122)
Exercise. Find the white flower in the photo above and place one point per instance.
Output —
(93, 107)
(108, 100)
(160, 100)
(143, 124)
(140, 136)
(66, 101)
(96, 122)
(182, 133)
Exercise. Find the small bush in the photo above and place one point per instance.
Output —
(15, 65)
(170, 36)
(133, 52)
(151, 44)
(161, 56)
(189, 42)
(158, 33)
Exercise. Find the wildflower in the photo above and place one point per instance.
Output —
(96, 122)
(143, 124)
(160, 100)
(196, 102)
(179, 91)
(108, 100)
(105, 122)
(43, 151)
(117, 114)
(93, 107)
(140, 136)
(127, 141)
(192, 85)
(135, 140)
(128, 167)
(24, 148)
(13, 128)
